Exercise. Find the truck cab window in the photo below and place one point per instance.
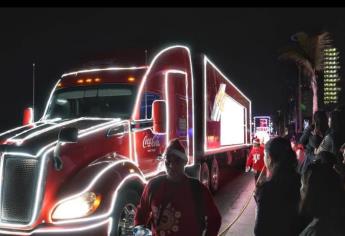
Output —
(146, 104)
(106, 101)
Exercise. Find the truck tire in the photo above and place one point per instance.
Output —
(214, 178)
(205, 175)
(124, 212)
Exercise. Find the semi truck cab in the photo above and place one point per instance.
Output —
(81, 168)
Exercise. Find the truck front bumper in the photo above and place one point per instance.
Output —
(85, 229)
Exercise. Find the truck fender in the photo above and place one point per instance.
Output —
(106, 177)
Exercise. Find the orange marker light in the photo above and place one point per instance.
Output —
(80, 81)
(88, 80)
(97, 80)
(131, 79)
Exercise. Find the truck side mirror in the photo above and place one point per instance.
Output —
(158, 116)
(28, 116)
(68, 135)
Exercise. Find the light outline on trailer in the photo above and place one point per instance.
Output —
(206, 150)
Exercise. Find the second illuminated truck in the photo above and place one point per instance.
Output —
(81, 168)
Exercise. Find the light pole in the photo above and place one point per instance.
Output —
(299, 100)
(33, 92)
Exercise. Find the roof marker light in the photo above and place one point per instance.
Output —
(104, 69)
(131, 79)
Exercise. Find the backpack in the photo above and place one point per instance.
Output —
(197, 195)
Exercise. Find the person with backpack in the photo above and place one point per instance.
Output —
(174, 204)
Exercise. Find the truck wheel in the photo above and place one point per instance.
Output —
(205, 175)
(214, 183)
(124, 212)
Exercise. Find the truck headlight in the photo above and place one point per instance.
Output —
(77, 207)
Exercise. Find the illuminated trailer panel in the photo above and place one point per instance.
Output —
(227, 112)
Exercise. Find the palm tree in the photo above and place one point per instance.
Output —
(308, 54)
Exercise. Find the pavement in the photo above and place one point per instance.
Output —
(235, 194)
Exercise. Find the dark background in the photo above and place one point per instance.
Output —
(243, 42)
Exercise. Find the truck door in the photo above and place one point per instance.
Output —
(148, 145)
(177, 107)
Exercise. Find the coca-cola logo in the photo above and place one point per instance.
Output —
(151, 142)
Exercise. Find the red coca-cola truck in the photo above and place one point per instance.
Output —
(81, 168)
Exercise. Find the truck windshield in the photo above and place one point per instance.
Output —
(105, 101)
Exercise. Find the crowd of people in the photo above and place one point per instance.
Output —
(303, 190)
(300, 187)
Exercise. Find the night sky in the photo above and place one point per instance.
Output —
(243, 42)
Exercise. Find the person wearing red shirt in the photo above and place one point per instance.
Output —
(176, 205)
(255, 159)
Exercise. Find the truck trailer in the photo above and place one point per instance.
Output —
(81, 168)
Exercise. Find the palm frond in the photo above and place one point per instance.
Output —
(300, 60)
(303, 41)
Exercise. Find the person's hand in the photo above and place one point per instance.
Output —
(247, 168)
(316, 131)
(298, 154)
(140, 230)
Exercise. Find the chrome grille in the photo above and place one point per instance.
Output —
(18, 189)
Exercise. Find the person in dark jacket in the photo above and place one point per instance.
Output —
(278, 197)
(322, 198)
(312, 137)
(335, 136)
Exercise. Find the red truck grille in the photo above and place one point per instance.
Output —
(18, 189)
